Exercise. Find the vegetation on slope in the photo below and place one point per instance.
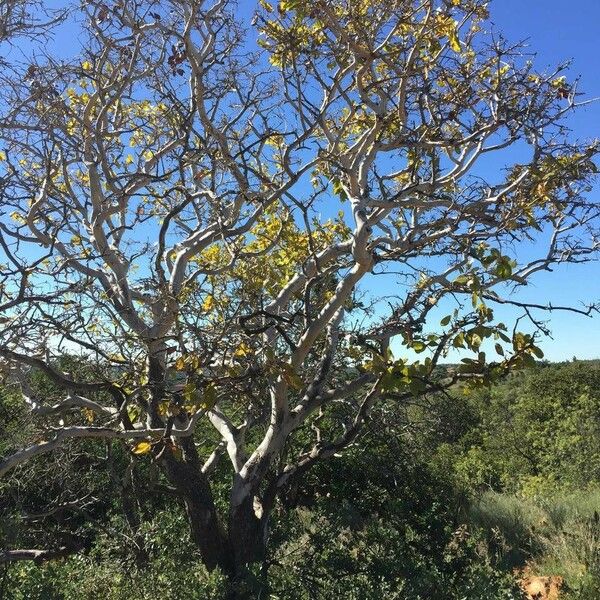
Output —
(452, 498)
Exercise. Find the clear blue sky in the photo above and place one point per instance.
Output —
(556, 30)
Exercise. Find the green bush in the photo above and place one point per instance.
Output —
(535, 433)
(392, 532)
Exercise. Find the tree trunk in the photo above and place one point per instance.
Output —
(185, 473)
(244, 544)
(248, 532)
(206, 530)
(248, 536)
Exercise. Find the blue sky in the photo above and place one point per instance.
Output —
(555, 35)
(556, 31)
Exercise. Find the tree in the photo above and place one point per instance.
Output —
(199, 217)
(537, 433)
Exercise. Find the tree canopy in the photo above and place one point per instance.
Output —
(200, 208)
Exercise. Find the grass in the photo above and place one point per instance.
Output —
(557, 535)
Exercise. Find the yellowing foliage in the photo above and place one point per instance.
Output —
(142, 448)
(209, 303)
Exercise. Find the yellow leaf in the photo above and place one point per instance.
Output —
(242, 350)
(129, 159)
(86, 65)
(89, 415)
(447, 26)
(2, 155)
(142, 448)
(209, 303)
(454, 41)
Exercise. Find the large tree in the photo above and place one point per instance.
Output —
(197, 204)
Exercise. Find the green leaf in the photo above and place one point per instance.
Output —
(503, 269)
(462, 279)
(377, 365)
(537, 352)
(459, 340)
(338, 189)
(133, 412)
(189, 390)
(445, 320)
(209, 398)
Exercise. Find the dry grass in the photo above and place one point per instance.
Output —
(549, 536)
